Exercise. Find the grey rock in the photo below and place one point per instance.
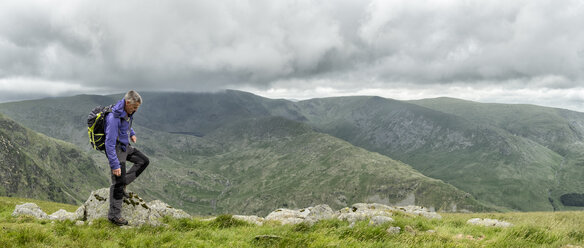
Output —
(134, 209)
(29, 209)
(393, 230)
(250, 219)
(64, 215)
(309, 215)
(379, 220)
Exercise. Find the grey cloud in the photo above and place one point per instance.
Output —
(206, 45)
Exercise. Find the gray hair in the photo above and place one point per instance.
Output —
(133, 97)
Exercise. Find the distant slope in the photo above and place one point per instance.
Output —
(560, 130)
(274, 162)
(33, 165)
(490, 163)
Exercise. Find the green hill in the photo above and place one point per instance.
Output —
(35, 166)
(242, 160)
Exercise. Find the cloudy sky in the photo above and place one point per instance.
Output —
(520, 51)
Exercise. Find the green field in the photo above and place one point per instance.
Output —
(533, 229)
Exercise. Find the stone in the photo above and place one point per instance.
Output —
(287, 216)
(29, 209)
(308, 215)
(62, 214)
(393, 230)
(79, 223)
(379, 220)
(250, 219)
(489, 222)
(134, 209)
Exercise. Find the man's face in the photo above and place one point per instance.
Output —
(131, 108)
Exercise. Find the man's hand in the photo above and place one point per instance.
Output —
(117, 172)
(133, 138)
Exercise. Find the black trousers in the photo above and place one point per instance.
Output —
(140, 162)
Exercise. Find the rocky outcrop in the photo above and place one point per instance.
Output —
(134, 209)
(377, 214)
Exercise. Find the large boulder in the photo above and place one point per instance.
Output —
(134, 209)
(29, 209)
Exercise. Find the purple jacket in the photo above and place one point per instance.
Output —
(117, 125)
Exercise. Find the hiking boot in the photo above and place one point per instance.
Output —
(118, 221)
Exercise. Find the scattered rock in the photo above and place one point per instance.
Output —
(29, 209)
(309, 215)
(379, 220)
(393, 230)
(64, 215)
(250, 219)
(489, 222)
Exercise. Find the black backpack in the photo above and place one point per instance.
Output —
(96, 125)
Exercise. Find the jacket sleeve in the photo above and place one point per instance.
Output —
(111, 136)
(132, 133)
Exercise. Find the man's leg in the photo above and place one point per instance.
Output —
(117, 193)
(140, 163)
(117, 187)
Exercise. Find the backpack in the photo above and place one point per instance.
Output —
(96, 126)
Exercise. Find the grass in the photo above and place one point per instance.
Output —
(534, 229)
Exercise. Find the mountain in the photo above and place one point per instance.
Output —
(559, 130)
(33, 165)
(511, 157)
(239, 157)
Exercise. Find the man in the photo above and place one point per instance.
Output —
(119, 132)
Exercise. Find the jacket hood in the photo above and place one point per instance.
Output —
(118, 109)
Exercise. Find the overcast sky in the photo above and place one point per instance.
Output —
(504, 51)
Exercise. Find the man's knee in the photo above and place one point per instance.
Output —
(119, 191)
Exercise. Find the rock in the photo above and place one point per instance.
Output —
(79, 223)
(134, 209)
(64, 215)
(352, 217)
(309, 215)
(379, 220)
(489, 222)
(287, 216)
(392, 230)
(250, 219)
(29, 209)
(420, 211)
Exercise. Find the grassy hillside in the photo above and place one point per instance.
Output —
(535, 229)
(250, 165)
(33, 165)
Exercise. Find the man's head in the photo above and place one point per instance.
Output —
(133, 101)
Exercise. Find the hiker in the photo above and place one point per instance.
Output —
(118, 134)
